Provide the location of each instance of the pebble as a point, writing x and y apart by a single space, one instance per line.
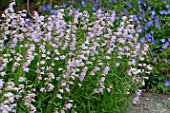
147 99
169 98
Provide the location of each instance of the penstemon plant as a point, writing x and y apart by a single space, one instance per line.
69 62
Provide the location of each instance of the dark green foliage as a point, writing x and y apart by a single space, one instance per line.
4 4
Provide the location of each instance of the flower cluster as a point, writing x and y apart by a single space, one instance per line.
49 56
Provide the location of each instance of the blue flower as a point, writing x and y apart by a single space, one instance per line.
27 19
163 40
155 59
145 20
44 7
150 22
167 82
96 4
90 0
153 41
157 24
72 8
148 36
149 7
48 6
78 8
129 5
94 8
152 32
151 53
82 3
140 8
140 16
52 11
144 4
139 30
167 6
115 1
125 11
161 49
165 60
64 5
164 46
153 12
168 39
139 1
162 12
142 40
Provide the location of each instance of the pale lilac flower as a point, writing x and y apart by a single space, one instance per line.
21 79
68 105
2 73
1 83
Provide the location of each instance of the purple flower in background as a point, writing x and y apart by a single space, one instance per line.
157 24
52 11
78 8
164 46
163 40
82 3
168 39
139 30
153 12
165 60
151 53
27 19
140 16
152 32
153 41
90 0
152 17
64 5
148 36
94 8
48 6
140 8
161 49
144 3
167 83
150 22
125 11
155 59
115 1
129 5
142 40
44 7
162 12
96 4
139 1
167 6
145 20
149 7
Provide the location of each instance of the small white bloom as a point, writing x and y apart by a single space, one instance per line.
59 96
42 62
149 67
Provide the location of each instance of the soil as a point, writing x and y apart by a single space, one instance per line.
152 103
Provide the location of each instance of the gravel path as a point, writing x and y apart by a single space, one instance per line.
152 103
